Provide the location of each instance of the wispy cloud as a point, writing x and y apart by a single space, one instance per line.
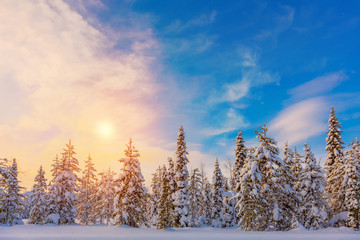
231 121
178 26
198 43
300 121
238 90
281 23
318 86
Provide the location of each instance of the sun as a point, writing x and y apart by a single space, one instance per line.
105 129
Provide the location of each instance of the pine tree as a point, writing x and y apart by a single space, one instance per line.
87 193
296 167
12 201
3 172
206 198
312 214
217 197
229 212
334 164
131 196
182 176
106 191
351 184
64 186
240 156
155 196
195 197
252 205
39 201
288 201
172 190
274 192
165 204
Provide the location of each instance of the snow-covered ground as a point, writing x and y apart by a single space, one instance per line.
104 232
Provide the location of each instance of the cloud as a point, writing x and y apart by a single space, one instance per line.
300 121
60 75
318 86
238 90
232 120
204 19
198 43
280 22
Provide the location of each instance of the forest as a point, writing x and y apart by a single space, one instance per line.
268 189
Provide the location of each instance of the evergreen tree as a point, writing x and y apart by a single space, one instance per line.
53 206
172 190
206 198
182 176
39 200
296 166
229 213
87 193
351 184
155 196
165 204
240 156
217 197
3 172
252 205
12 201
131 195
273 189
195 198
334 164
106 192
312 214
289 199
64 186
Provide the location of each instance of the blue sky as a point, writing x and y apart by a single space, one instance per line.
241 64
99 72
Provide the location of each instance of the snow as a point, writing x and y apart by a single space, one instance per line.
124 232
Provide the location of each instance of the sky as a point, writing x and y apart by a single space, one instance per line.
100 72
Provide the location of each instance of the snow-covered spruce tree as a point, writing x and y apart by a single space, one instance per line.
195 198
351 184
172 189
165 204
131 196
106 192
296 166
206 197
290 201
334 164
252 205
39 201
12 201
182 177
64 186
3 170
240 156
53 206
155 196
275 192
229 212
217 197
88 190
312 213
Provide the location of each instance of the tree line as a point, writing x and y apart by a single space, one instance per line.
265 190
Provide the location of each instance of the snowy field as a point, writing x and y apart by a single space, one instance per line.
104 232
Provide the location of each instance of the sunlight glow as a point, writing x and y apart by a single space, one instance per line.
105 129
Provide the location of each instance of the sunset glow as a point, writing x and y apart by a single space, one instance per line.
105 130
